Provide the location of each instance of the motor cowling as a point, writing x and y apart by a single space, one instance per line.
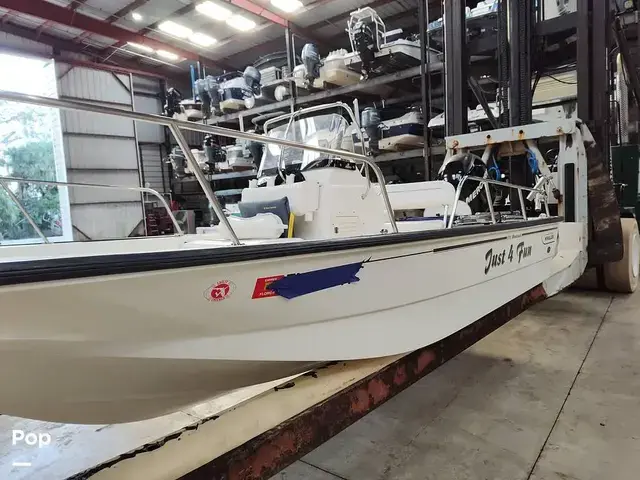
364 41
252 78
178 162
371 123
213 151
172 105
311 60
212 87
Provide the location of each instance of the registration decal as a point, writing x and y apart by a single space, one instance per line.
261 291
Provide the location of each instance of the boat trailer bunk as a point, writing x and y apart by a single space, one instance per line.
256 432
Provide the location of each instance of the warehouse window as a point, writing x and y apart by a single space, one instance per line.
31 148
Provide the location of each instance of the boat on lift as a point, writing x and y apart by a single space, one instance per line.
376 51
322 264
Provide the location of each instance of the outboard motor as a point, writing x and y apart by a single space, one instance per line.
200 88
371 123
172 106
212 87
311 61
252 78
208 93
178 162
213 151
364 41
256 149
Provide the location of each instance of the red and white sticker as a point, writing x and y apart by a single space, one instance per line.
260 290
220 291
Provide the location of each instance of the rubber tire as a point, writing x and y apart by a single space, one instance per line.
622 276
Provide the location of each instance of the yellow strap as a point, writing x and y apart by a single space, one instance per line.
290 229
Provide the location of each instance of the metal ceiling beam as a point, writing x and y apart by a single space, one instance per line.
222 64
69 46
268 15
49 11
126 10
76 4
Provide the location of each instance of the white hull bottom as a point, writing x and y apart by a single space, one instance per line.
126 363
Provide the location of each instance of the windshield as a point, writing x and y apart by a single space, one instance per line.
328 131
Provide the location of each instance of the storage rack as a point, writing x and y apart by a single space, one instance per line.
475 51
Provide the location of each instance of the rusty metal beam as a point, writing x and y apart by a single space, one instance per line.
126 10
49 11
606 243
272 451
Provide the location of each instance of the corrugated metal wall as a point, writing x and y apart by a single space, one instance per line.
151 137
100 149
103 149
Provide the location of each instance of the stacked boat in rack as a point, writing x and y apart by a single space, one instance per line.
317 256
390 129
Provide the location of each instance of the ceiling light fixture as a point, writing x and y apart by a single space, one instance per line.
167 55
202 39
175 29
213 10
137 17
139 46
241 23
288 6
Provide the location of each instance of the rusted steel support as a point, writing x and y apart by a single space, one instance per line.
605 244
272 451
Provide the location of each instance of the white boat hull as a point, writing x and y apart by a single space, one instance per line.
125 347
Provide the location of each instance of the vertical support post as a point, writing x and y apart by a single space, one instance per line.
291 64
138 153
503 63
593 69
425 83
521 32
456 63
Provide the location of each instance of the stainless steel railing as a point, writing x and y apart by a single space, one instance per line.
176 127
16 200
486 182
314 109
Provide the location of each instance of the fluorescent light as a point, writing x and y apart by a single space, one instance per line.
213 10
241 23
287 5
167 55
175 29
136 17
139 46
202 39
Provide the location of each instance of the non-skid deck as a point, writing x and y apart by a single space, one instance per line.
551 395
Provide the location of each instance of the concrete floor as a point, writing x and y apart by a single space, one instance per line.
553 395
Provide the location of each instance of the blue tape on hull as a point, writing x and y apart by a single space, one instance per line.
299 284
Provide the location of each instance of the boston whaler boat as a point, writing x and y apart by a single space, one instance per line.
323 264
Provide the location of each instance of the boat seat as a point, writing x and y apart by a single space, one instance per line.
263 226
304 197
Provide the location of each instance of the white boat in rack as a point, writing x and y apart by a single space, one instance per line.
322 265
